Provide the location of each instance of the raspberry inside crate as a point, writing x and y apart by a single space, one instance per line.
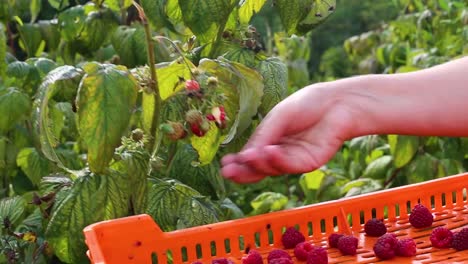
138 239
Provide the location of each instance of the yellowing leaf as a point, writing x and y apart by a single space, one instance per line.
249 8
207 146
170 76
106 99
313 180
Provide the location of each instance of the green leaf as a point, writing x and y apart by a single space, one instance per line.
69 119
207 146
14 106
403 148
268 202
92 198
292 12
59 4
378 168
206 17
34 165
33 222
171 203
232 211
249 8
31 39
130 45
118 5
300 16
105 102
243 88
242 55
444 4
449 167
22 184
50 33
319 12
275 76
312 180
35 9
422 168
135 164
42 65
97 22
205 179
12 209
199 211
375 154
55 81
55 183
452 148
72 22
19 69
162 13
361 186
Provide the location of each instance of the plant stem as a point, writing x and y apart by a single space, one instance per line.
154 78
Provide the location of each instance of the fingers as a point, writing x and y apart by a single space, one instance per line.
254 164
241 173
272 127
247 167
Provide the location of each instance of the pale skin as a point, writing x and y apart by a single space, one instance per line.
304 131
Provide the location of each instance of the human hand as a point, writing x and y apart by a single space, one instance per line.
298 135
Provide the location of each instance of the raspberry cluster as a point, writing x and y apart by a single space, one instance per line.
387 245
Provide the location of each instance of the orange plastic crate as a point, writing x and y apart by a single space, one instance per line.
135 239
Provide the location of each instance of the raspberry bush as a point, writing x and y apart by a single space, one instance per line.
115 108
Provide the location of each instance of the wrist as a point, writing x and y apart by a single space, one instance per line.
358 99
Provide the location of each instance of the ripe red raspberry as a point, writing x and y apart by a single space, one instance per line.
333 240
192 86
222 261
302 249
441 237
196 130
375 227
210 117
291 238
348 245
406 247
421 217
385 246
252 258
460 239
318 255
278 253
281 261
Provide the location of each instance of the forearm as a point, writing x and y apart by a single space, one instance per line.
431 102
